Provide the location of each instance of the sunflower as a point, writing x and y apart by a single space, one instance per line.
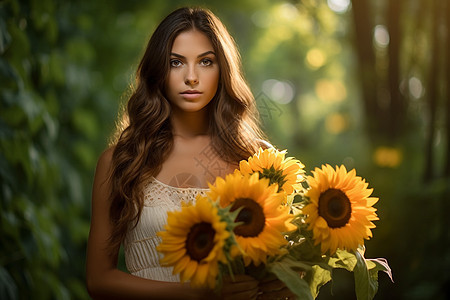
271 163
263 217
340 211
193 243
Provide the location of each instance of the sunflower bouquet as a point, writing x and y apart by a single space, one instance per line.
268 218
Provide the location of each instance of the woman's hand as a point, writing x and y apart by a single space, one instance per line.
243 287
273 288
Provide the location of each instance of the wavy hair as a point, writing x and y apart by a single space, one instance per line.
145 137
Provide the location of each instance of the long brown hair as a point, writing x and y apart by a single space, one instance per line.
145 139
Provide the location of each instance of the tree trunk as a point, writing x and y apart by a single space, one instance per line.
397 111
432 95
446 96
366 59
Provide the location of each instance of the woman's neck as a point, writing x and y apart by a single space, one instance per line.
189 124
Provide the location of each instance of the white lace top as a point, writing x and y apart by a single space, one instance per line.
140 243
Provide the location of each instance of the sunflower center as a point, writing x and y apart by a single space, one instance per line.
335 208
200 241
251 214
275 176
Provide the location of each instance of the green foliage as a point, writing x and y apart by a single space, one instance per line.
64 66
319 269
318 278
285 271
366 285
54 121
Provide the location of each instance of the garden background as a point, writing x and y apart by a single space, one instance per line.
361 83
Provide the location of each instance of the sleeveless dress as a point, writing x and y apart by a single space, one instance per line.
140 243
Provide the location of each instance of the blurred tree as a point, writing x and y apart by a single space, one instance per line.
447 85
367 63
386 106
65 65
59 97
433 84
405 95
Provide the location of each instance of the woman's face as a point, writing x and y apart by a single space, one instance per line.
194 72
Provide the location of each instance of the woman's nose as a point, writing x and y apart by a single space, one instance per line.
191 78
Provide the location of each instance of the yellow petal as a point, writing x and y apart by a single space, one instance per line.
181 264
321 223
188 271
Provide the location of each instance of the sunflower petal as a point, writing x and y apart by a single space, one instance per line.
357 224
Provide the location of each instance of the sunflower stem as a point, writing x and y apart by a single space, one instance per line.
230 270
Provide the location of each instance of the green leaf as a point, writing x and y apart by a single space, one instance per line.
319 277
5 37
303 248
8 289
366 286
343 259
290 277
295 264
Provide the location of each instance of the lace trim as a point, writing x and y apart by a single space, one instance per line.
177 188
141 256
157 193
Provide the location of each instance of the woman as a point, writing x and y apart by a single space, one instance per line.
191 117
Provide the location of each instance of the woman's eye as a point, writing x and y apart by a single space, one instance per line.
206 62
175 63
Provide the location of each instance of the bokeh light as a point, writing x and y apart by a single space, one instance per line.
339 6
381 36
315 58
336 123
261 19
279 91
330 90
388 157
415 87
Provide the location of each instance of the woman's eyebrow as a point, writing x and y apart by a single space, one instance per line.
200 55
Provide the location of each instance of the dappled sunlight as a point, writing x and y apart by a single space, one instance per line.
279 91
287 11
331 86
315 58
262 19
388 157
281 22
336 123
415 87
297 59
329 90
381 36
339 6
311 111
336 69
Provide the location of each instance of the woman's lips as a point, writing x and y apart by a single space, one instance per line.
190 94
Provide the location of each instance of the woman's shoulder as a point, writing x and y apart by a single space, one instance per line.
105 159
106 155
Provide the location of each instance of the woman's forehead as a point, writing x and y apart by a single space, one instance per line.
192 43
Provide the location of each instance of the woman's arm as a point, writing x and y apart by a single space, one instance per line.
273 288
105 281
103 278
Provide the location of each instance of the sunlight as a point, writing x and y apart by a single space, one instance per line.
415 87
339 6
330 90
315 58
336 123
388 157
381 36
279 91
